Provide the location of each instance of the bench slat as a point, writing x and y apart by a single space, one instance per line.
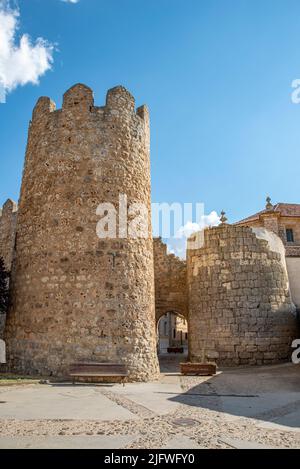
97 364
95 370
99 370
96 374
202 369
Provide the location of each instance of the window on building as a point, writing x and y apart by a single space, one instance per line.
289 235
174 333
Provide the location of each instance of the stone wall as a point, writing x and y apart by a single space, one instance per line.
170 282
77 297
279 225
8 217
240 310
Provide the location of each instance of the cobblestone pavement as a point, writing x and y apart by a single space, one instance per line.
200 401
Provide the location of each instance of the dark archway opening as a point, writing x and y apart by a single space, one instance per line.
172 341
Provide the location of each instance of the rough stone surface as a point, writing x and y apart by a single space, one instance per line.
278 219
77 297
2 351
170 282
240 310
8 218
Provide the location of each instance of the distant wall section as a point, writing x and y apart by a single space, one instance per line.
8 218
170 282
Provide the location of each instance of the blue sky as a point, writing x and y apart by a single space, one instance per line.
216 75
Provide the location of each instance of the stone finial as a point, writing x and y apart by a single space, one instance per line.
223 218
269 205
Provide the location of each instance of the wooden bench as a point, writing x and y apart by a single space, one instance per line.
199 369
92 372
175 350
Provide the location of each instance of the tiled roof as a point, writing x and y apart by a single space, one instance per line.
285 210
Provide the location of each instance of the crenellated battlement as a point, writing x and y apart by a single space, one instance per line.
8 208
118 98
143 113
79 100
43 106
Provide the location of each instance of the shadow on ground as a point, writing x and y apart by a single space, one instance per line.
270 394
170 362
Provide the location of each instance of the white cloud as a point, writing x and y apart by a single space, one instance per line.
177 244
70 1
22 61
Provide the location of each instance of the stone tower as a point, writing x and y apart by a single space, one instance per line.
77 297
240 309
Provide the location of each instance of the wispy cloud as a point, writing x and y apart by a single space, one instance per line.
177 244
70 1
21 61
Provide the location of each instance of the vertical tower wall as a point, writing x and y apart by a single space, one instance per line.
77 297
240 310
8 217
